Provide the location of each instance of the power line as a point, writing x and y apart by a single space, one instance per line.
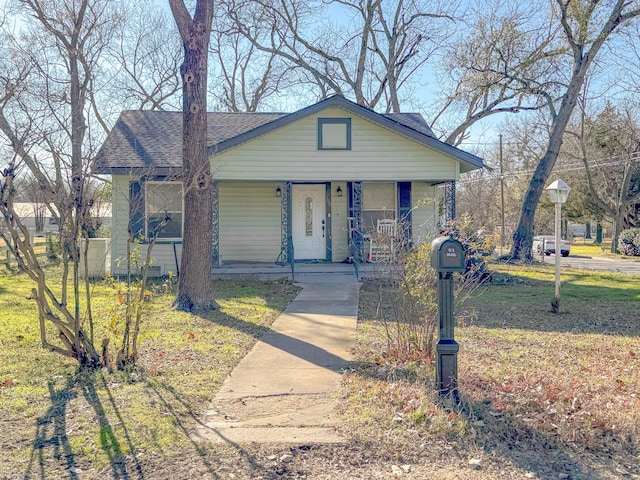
572 167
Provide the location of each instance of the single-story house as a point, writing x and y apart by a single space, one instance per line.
301 186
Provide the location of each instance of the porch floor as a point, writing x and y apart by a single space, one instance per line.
303 272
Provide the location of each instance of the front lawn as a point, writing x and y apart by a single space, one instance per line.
543 396
586 249
57 422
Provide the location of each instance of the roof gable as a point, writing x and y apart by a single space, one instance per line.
412 126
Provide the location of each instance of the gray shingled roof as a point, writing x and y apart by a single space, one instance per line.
141 139
414 121
144 140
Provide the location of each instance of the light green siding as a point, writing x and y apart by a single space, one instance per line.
424 216
339 223
250 217
120 209
249 228
292 153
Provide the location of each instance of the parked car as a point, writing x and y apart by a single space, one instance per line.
547 244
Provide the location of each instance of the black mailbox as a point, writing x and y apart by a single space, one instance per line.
447 255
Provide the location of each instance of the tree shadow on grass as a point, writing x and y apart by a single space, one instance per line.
243 326
51 433
501 435
52 454
52 428
108 439
162 391
173 402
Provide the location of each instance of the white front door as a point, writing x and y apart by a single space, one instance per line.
309 222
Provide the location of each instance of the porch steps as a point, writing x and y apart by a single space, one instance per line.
303 272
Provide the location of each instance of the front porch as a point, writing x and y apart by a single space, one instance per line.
304 272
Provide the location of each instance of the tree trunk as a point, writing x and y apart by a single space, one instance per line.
617 228
195 291
523 236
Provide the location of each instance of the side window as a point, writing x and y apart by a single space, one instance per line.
163 202
136 209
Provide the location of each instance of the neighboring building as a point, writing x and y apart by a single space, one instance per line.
38 218
316 180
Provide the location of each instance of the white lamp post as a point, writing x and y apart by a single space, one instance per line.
558 194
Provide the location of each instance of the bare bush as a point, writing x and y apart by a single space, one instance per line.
409 310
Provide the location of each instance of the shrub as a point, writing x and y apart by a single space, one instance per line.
409 306
629 242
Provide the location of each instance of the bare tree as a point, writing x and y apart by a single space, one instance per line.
144 61
46 117
370 54
609 149
493 195
55 107
586 26
195 292
246 78
73 339
625 62
504 60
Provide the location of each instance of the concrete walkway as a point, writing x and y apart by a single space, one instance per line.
284 389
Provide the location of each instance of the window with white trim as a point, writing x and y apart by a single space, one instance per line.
378 202
164 201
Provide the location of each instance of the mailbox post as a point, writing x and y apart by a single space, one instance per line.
447 258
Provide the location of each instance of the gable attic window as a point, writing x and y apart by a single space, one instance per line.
334 134
163 200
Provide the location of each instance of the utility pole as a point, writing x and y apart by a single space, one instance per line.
501 198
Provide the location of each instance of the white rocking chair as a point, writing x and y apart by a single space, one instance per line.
382 242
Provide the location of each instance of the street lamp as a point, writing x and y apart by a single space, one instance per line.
558 194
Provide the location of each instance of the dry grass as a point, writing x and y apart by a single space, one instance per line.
40 245
543 395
